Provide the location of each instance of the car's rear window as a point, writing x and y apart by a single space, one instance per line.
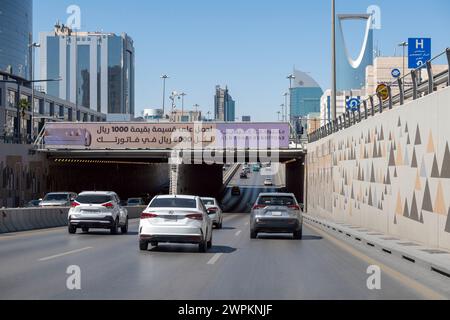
173 203
276 201
208 202
56 197
93 199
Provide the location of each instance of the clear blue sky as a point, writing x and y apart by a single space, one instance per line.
248 45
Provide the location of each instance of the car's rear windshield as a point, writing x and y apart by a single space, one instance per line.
276 201
208 202
173 203
56 197
134 200
93 199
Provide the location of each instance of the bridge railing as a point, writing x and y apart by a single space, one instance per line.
384 99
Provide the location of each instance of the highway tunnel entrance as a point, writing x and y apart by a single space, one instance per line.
127 178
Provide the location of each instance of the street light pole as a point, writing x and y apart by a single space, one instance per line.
404 44
164 77
333 61
285 112
290 77
31 46
182 104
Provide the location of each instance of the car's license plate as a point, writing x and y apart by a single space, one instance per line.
91 212
276 214
170 219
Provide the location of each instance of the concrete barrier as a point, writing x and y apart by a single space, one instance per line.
14 220
7 222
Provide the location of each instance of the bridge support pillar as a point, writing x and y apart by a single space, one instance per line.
295 175
200 180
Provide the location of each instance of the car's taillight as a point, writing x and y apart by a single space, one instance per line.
74 204
108 205
213 210
195 216
258 206
294 207
145 215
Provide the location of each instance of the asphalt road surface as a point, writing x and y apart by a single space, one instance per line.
33 265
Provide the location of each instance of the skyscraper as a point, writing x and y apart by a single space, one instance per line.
305 95
16 24
351 74
224 105
96 68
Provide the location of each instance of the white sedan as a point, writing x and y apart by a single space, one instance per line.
215 213
268 182
175 219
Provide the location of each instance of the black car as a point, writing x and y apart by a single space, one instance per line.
235 191
244 175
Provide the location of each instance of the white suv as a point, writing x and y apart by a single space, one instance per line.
98 210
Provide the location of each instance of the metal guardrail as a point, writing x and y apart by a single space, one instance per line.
375 104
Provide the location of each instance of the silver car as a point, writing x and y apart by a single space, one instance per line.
58 199
214 211
98 210
276 213
175 219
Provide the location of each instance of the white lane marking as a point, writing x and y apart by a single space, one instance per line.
215 258
238 233
64 254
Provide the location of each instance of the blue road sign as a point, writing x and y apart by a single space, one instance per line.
419 52
396 73
353 104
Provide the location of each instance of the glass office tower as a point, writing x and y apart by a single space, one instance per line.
16 24
97 69
305 95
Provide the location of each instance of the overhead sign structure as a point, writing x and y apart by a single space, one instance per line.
396 73
353 104
127 135
419 52
383 92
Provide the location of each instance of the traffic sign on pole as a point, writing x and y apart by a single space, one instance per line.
396 73
419 52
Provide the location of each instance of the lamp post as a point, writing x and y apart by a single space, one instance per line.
279 112
290 77
182 95
31 47
404 44
333 61
286 95
164 77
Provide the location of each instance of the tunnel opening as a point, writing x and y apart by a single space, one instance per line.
129 179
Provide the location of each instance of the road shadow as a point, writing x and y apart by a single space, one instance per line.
188 249
107 233
287 237
225 228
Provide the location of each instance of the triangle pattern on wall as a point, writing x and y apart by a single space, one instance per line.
445 172
414 159
447 226
439 204
430 146
427 205
435 170
418 140
414 212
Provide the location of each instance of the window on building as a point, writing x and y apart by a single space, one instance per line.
11 100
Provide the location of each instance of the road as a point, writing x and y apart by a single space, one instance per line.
33 265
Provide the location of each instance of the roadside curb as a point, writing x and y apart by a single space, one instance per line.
432 259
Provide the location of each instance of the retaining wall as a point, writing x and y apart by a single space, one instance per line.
390 173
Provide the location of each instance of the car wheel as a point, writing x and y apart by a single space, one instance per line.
143 245
298 235
115 227
85 230
72 229
253 234
209 243
203 246
124 229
